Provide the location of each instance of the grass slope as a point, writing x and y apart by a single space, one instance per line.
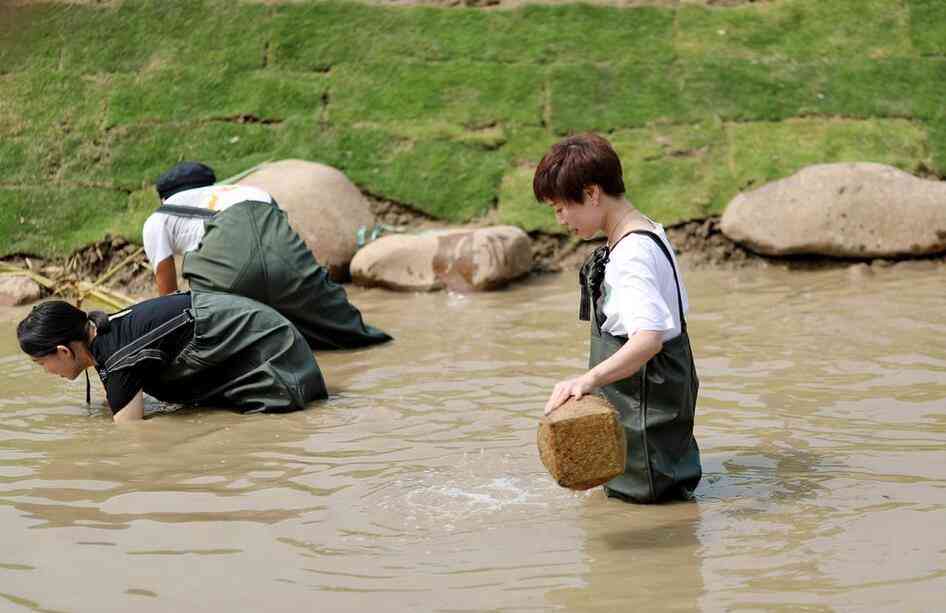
449 110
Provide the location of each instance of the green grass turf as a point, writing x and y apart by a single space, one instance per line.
320 35
796 30
677 173
175 93
474 94
927 25
54 220
937 139
449 110
763 152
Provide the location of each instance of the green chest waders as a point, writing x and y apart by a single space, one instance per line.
242 354
249 249
656 404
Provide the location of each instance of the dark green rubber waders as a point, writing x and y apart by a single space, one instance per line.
657 404
250 250
244 355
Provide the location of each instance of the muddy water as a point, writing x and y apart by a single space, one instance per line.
822 418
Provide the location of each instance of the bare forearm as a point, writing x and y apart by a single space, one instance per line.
133 411
165 276
627 360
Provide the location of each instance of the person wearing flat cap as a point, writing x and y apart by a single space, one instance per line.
236 240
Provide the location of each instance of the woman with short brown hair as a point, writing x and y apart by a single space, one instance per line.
634 297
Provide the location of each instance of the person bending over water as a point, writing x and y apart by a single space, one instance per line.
633 295
191 348
235 239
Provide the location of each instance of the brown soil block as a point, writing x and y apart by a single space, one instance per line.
582 443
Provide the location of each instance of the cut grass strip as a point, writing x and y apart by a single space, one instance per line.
182 94
744 90
15 163
41 102
577 32
317 36
517 204
937 137
603 97
898 88
488 137
449 179
50 157
764 152
674 173
91 39
469 94
446 179
795 30
140 205
139 153
58 37
928 26
671 173
51 221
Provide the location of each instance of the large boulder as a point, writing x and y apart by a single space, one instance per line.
324 207
18 289
461 259
842 210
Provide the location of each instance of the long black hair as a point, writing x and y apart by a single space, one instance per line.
55 323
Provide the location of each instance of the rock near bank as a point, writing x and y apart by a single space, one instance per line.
18 289
459 260
323 206
855 210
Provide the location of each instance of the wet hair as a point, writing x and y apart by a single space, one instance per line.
574 164
55 323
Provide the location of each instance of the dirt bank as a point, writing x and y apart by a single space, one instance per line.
699 244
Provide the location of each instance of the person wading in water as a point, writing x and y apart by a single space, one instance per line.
199 348
634 297
236 240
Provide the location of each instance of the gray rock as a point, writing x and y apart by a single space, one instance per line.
841 210
460 260
323 206
859 272
18 289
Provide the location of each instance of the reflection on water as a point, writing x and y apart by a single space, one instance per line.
417 486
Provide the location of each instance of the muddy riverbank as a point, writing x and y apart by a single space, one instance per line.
699 244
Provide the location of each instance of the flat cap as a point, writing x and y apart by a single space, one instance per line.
186 175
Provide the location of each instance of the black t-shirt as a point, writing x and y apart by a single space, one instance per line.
135 364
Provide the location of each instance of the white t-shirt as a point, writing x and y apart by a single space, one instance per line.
167 235
639 290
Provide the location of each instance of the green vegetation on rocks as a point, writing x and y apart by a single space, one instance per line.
449 110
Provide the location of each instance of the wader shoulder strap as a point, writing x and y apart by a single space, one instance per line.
127 355
663 247
591 277
186 211
589 280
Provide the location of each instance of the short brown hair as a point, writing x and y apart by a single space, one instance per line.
574 163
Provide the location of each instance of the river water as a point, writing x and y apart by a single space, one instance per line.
417 486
